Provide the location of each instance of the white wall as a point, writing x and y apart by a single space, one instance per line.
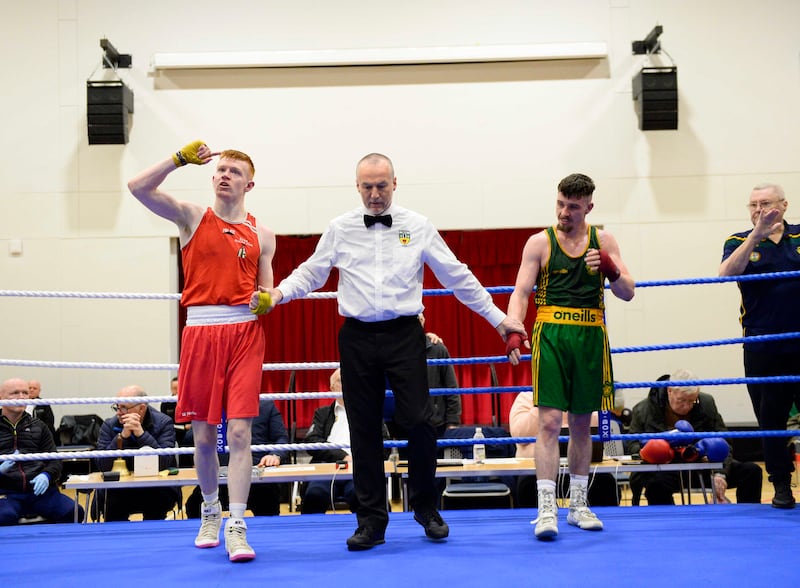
474 146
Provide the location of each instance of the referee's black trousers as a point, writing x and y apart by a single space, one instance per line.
370 355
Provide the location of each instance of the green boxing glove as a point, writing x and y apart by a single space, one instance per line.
188 154
264 303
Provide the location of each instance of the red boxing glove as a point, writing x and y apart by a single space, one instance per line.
514 341
657 451
608 267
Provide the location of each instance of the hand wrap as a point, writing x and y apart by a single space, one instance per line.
264 303
188 154
607 266
514 341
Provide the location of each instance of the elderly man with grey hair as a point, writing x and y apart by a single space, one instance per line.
659 412
769 307
135 425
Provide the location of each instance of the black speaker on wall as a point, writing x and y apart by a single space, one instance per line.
109 106
655 95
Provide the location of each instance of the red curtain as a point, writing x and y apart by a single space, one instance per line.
306 331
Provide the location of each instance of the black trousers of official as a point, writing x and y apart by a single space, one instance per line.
772 404
372 354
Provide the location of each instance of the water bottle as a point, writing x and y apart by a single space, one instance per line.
479 449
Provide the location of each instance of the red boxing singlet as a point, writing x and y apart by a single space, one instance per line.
220 262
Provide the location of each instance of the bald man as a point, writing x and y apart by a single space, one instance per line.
28 487
135 425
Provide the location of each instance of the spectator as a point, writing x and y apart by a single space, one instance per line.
168 408
264 498
523 421
134 426
445 409
28 487
330 426
659 412
43 412
769 307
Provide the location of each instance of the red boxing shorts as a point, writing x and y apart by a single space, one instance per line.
222 352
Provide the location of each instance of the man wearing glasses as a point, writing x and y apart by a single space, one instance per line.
769 307
660 412
135 425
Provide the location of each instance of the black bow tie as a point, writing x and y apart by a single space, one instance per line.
385 219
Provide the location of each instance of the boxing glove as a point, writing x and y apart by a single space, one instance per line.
681 426
713 448
688 454
657 451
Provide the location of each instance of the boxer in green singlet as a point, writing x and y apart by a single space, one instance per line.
571 362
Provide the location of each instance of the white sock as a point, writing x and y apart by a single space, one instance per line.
546 485
237 509
210 498
579 481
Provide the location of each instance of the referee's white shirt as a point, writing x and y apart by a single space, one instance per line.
381 268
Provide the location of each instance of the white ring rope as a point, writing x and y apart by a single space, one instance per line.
105 453
267 367
121 295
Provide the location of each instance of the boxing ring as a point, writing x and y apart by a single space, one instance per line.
735 544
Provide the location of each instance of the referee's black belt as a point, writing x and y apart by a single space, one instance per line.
380 325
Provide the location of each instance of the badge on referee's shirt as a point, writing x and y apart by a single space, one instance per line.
405 237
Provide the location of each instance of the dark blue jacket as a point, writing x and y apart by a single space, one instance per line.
158 432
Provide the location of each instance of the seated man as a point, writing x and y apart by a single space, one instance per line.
28 487
135 425
43 412
264 498
330 426
168 408
445 409
659 412
524 422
